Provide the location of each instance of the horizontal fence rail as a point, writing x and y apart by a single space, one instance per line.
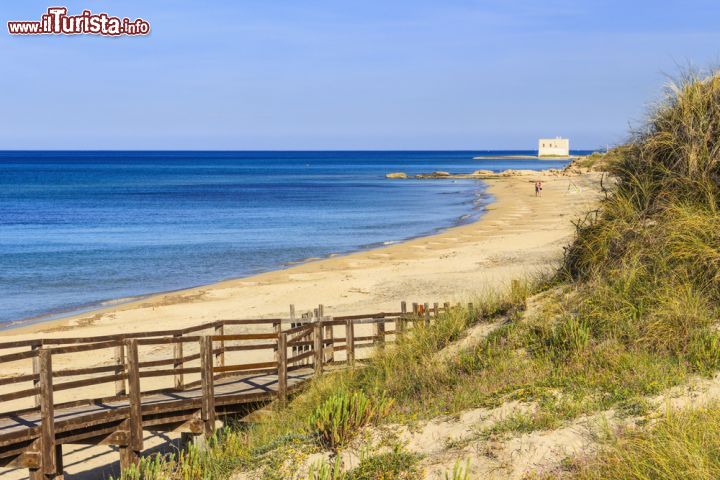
190 376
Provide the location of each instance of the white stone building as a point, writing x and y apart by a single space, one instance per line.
559 147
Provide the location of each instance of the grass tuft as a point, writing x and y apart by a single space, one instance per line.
682 445
340 418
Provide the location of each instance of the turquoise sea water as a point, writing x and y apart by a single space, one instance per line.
81 228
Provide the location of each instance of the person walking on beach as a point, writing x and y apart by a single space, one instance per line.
538 189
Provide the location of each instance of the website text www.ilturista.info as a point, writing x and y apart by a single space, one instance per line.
57 22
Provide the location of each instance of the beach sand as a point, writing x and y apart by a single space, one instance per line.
519 235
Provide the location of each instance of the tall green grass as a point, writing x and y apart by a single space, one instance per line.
682 445
648 269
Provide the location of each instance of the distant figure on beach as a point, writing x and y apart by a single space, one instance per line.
538 189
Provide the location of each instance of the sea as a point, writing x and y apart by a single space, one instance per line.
86 229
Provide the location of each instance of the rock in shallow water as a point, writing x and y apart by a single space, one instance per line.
396 175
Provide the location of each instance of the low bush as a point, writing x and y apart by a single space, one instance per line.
341 416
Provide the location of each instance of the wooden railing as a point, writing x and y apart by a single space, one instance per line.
170 363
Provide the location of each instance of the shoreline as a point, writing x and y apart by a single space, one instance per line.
481 202
515 236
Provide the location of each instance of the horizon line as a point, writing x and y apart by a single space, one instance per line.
292 150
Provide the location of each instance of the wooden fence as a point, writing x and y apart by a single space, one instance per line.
173 380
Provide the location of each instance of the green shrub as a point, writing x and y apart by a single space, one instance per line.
342 415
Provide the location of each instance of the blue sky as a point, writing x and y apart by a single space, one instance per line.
347 74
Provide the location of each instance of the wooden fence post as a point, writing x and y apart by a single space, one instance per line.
318 345
130 453
426 308
220 356
47 415
294 323
119 370
380 333
282 368
321 310
446 307
307 318
400 326
36 371
415 309
436 309
277 328
207 409
329 337
350 341
178 362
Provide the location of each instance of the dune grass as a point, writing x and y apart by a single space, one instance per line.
681 445
394 464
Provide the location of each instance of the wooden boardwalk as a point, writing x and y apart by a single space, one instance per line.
285 354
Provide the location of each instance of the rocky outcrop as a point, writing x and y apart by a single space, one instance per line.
569 171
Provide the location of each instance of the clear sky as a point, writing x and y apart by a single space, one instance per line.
348 74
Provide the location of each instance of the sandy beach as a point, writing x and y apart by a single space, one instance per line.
518 234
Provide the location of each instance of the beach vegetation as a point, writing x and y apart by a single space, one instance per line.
340 417
459 471
680 445
395 463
